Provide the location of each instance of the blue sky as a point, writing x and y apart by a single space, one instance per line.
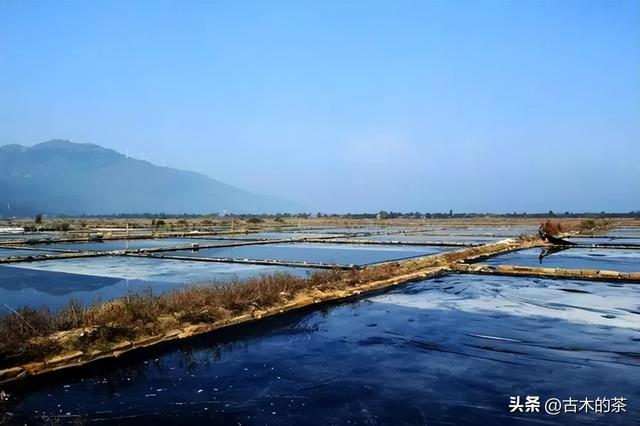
344 105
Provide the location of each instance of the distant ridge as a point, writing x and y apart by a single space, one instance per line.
63 177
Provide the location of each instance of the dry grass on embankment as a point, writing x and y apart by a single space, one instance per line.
37 339
36 334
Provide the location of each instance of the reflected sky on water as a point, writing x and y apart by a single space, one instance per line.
444 351
574 258
52 283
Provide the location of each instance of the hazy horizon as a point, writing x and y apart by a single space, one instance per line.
344 107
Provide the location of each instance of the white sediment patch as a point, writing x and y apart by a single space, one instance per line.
596 303
134 268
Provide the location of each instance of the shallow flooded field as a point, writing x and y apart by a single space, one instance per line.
449 350
624 233
284 235
605 240
574 258
444 351
487 231
52 283
613 236
316 253
348 230
425 238
111 245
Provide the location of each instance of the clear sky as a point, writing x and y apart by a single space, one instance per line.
344 105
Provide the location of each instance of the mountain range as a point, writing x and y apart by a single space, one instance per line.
62 177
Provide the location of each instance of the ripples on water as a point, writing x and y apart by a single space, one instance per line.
443 351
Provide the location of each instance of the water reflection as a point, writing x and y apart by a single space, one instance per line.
548 251
51 283
330 253
574 258
430 353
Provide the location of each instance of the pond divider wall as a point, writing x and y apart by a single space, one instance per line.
555 273
414 269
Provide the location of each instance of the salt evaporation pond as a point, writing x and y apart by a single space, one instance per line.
443 351
111 245
624 232
52 283
488 231
315 253
358 230
614 236
424 238
287 235
605 240
574 258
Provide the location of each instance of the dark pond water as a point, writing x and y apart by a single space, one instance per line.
609 259
445 351
325 253
52 283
